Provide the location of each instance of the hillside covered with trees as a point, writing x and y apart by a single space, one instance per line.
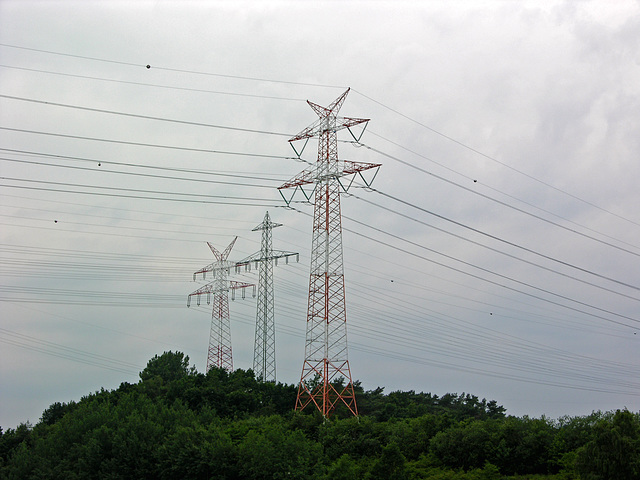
176 423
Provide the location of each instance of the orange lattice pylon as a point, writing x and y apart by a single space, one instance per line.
326 381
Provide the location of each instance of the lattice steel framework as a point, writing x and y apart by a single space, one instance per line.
219 353
264 355
326 380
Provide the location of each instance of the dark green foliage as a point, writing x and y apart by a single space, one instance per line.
55 412
270 450
12 439
411 405
391 465
345 468
467 445
525 446
614 450
179 424
514 445
197 452
357 437
169 367
414 434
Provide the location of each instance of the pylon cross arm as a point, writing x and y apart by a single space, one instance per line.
266 226
275 254
233 286
349 167
306 177
345 167
320 126
213 267
207 289
203 271
257 257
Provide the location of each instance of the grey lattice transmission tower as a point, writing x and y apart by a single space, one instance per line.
264 356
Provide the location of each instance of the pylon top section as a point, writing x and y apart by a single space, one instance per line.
221 257
220 269
221 260
265 256
328 167
328 119
266 224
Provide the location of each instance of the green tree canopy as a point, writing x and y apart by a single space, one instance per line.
614 451
179 424
169 366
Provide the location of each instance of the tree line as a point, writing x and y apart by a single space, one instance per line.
176 423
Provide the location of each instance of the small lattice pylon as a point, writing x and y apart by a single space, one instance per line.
219 352
326 381
264 355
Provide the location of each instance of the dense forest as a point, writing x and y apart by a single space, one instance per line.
177 423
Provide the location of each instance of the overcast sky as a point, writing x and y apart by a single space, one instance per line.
497 254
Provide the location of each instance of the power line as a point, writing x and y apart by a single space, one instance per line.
548 366
494 273
147 175
397 159
62 351
100 327
441 325
500 202
117 209
445 218
126 260
94 216
513 197
185 200
261 79
110 227
155 167
523 283
421 360
145 117
139 144
546 370
483 278
135 190
282 134
396 354
483 233
506 277
493 237
155 85
360 144
147 66
493 159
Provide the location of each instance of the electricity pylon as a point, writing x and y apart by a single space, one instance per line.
219 353
264 354
326 380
